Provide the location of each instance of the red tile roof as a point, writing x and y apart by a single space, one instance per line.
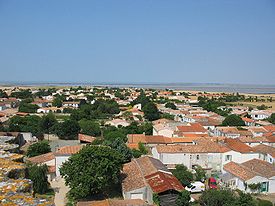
69 150
42 158
86 138
192 128
237 145
113 202
161 182
265 149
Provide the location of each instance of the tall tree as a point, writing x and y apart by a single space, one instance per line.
233 120
91 171
183 174
38 175
38 148
151 111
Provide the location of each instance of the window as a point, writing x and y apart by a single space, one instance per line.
198 157
228 157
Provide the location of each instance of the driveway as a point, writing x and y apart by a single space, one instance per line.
60 191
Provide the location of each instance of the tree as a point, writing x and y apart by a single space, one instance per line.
48 122
93 170
170 105
113 135
233 120
142 150
262 107
218 198
183 199
29 108
183 174
90 127
68 129
151 111
271 119
245 199
141 99
58 100
38 175
200 174
121 148
38 148
3 94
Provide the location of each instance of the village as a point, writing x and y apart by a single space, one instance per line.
95 145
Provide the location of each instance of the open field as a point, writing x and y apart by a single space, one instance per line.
255 104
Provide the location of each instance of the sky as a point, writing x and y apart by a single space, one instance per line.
138 41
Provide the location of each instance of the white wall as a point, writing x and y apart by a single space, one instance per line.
59 160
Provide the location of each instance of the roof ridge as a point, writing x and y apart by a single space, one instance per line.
143 176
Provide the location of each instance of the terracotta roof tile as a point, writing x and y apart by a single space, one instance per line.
69 150
193 127
86 138
42 158
237 145
265 149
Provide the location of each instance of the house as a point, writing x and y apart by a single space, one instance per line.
254 141
190 128
63 153
257 131
86 139
73 104
47 159
205 153
267 153
118 122
41 103
239 152
46 110
145 176
248 121
255 171
2 106
229 132
260 114
166 129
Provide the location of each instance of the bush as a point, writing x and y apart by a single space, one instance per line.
264 203
38 148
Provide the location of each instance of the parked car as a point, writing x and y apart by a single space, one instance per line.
212 183
195 187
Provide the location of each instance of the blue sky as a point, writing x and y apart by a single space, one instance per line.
137 41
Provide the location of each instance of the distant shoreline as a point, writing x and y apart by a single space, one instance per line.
200 87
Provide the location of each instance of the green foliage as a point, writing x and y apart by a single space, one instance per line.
121 148
113 135
48 122
218 198
58 100
151 111
26 124
200 174
264 203
99 110
29 108
245 199
168 116
45 92
183 199
271 119
38 148
141 99
254 187
3 94
142 150
156 199
262 107
90 127
38 175
92 171
233 120
170 105
22 94
68 129
212 105
183 175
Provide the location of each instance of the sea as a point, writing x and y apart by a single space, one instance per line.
206 87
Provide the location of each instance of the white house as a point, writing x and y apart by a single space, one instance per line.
260 114
267 153
255 171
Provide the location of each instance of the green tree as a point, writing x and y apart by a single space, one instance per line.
183 175
200 174
90 127
29 108
151 111
218 198
183 199
170 105
121 148
48 122
233 120
68 129
38 175
38 148
245 199
94 170
271 119
3 94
